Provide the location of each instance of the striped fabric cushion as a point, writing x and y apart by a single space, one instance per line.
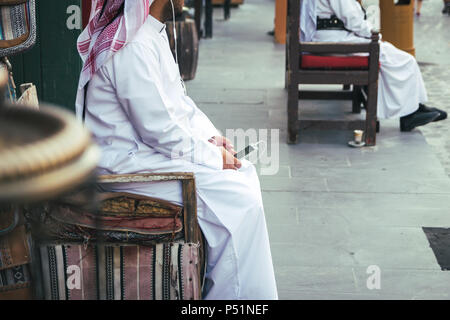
17 26
14 278
160 272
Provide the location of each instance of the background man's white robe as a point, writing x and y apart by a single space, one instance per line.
401 86
143 121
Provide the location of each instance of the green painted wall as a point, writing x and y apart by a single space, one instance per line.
53 65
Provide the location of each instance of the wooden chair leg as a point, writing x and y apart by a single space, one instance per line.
371 114
286 75
208 19
356 98
293 114
198 17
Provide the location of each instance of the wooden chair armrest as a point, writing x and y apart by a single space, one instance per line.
145 177
341 47
334 47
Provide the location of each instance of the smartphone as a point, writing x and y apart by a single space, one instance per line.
247 150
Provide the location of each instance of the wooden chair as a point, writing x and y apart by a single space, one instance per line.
313 63
192 233
53 230
198 9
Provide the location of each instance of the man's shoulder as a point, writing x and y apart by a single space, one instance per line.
146 36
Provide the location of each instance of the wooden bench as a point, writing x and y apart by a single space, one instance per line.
168 259
314 63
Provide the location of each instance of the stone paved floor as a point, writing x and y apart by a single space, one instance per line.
332 211
432 40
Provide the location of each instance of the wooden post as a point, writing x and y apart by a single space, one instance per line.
372 92
280 21
226 9
293 12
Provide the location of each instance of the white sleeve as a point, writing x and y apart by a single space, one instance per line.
350 12
138 83
200 120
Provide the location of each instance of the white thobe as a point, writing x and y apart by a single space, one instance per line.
138 112
401 87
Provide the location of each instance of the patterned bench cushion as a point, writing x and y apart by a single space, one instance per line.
17 26
161 272
15 280
121 218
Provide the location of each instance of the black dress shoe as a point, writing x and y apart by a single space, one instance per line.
442 113
416 119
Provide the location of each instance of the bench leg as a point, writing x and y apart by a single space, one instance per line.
208 19
356 98
226 9
371 114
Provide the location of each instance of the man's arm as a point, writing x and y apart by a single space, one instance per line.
139 88
349 11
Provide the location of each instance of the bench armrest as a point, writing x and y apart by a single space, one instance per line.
334 47
145 177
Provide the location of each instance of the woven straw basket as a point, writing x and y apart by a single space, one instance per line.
17 26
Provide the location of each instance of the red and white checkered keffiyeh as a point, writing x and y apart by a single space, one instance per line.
111 25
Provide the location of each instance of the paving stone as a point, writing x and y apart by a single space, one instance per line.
332 210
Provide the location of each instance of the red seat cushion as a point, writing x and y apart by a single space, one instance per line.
334 62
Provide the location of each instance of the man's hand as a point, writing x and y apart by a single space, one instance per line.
229 161
223 142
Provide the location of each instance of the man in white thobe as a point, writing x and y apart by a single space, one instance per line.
401 90
137 109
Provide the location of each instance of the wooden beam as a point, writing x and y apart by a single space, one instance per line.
325 95
86 9
145 177
332 124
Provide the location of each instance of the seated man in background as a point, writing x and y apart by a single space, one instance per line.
133 100
401 91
